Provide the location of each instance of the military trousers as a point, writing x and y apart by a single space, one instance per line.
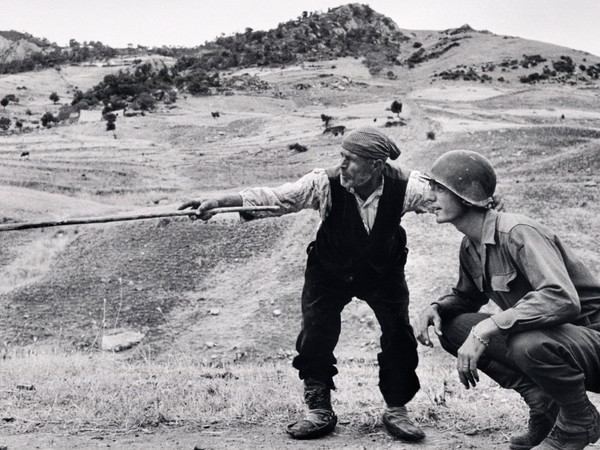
563 361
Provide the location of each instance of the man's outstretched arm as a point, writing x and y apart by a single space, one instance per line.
204 206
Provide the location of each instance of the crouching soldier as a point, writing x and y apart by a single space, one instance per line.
545 343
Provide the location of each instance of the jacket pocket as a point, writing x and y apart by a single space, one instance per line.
500 282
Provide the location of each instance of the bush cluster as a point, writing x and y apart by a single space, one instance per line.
463 73
139 90
311 37
54 56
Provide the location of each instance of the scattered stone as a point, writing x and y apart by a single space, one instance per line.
121 341
214 312
298 147
277 312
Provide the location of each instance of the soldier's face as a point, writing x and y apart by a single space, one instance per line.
446 205
356 171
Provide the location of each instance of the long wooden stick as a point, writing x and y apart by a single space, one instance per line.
117 218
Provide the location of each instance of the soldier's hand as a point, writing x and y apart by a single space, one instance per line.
430 316
466 361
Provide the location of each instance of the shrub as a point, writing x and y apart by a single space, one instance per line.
144 102
4 123
110 117
565 64
533 78
47 119
65 112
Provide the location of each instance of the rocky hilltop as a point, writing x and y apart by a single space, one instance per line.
16 48
352 30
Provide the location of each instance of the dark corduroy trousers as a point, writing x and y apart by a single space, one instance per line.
324 296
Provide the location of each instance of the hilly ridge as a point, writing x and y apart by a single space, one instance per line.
352 30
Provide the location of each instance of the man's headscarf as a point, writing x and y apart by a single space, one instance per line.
371 143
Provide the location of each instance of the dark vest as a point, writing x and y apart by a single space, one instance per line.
344 247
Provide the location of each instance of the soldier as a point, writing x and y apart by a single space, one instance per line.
359 251
545 342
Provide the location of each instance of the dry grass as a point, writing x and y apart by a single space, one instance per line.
33 263
44 388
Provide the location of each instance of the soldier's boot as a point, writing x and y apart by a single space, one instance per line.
542 409
320 419
577 426
539 425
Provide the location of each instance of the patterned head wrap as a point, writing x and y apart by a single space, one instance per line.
370 143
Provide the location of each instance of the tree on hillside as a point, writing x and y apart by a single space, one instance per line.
54 97
111 125
396 107
4 102
47 119
4 123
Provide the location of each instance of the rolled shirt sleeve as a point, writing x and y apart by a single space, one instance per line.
312 191
415 199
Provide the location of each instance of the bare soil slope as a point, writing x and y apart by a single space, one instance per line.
228 291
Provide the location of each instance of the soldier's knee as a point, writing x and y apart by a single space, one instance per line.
528 348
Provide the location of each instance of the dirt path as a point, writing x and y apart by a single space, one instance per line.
247 437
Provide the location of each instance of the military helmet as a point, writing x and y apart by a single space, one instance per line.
467 174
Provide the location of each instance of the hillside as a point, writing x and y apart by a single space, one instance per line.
352 30
151 161
227 293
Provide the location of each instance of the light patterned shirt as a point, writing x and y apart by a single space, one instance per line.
313 191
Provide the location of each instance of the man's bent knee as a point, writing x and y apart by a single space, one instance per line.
456 330
528 348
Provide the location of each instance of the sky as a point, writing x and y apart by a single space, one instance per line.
188 23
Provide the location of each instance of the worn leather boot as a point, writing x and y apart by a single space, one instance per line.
397 422
321 419
538 428
559 439
542 409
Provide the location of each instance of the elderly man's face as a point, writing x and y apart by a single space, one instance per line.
356 171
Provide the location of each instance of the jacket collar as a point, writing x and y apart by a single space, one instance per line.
488 230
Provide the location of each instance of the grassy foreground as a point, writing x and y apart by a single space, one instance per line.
78 392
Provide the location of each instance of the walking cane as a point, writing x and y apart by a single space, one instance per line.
121 218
